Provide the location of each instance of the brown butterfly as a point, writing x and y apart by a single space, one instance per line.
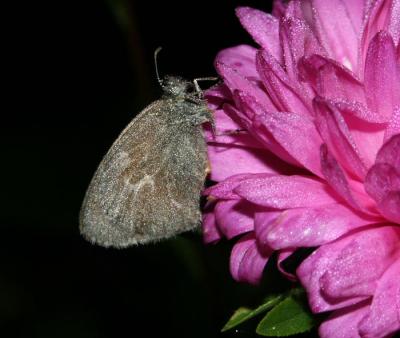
148 185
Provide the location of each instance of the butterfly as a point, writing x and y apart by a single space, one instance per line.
148 185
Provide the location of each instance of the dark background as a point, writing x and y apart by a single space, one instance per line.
78 72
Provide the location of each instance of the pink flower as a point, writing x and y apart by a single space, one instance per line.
307 154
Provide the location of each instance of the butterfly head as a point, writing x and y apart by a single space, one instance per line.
177 87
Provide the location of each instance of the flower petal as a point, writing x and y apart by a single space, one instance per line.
330 79
335 30
279 8
297 41
375 324
242 58
382 76
228 160
295 133
283 92
252 108
236 81
344 322
234 217
394 21
381 15
390 206
355 10
224 189
360 111
217 95
282 192
211 233
263 27
263 220
227 131
398 52
283 254
334 131
367 132
390 152
382 179
336 178
313 268
247 263
309 227
393 127
358 267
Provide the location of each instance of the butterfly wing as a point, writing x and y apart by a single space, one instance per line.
148 185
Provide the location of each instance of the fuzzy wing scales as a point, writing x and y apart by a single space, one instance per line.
148 185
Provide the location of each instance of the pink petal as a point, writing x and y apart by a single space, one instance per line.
366 131
382 179
295 9
281 89
224 189
394 21
272 145
234 217
279 8
390 152
359 111
241 116
382 15
331 79
217 95
383 318
211 233
263 220
249 139
382 76
314 267
252 108
283 254
242 58
247 263
355 10
228 160
393 127
335 30
236 81
336 178
227 132
390 206
338 138
358 267
263 27
282 192
297 41
295 133
309 227
344 322
398 52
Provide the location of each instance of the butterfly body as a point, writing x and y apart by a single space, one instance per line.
148 185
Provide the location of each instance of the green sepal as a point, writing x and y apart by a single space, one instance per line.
289 317
243 314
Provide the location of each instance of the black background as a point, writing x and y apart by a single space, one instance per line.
77 73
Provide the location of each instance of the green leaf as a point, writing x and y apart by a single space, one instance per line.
289 317
243 314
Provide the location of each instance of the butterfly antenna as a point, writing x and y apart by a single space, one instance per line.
156 66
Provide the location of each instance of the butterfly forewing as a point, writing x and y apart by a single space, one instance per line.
148 185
